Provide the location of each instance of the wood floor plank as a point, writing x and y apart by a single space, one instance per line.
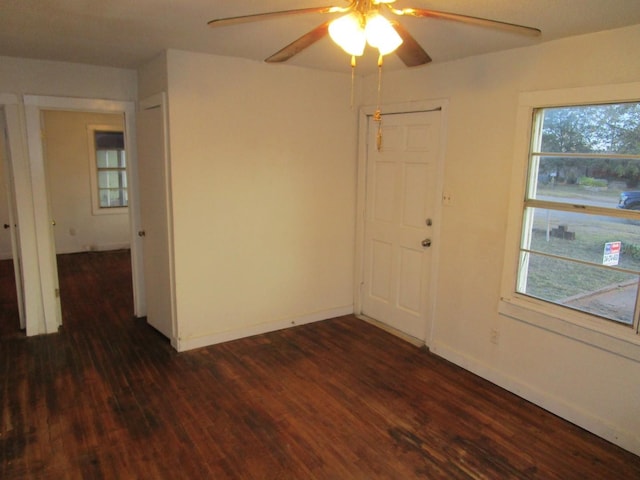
108 398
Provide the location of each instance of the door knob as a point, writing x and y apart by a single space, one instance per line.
6 225
142 233
426 242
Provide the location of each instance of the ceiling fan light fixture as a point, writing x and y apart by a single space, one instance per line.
381 34
348 33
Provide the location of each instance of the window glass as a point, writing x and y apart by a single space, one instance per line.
110 159
586 262
582 180
580 242
611 128
609 294
109 140
111 169
112 179
583 237
114 198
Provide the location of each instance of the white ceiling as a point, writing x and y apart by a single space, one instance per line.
127 33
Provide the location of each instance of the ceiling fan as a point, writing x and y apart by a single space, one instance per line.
363 23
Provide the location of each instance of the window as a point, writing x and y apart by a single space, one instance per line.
111 169
578 249
108 170
578 219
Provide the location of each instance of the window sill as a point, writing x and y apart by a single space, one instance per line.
110 211
616 339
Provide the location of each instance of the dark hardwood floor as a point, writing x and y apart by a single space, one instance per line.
107 398
9 320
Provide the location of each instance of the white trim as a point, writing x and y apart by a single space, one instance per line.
82 104
183 344
33 307
43 222
614 338
399 108
13 158
575 325
417 342
573 413
137 270
157 100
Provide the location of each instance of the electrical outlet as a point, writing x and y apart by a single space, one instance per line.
447 198
494 336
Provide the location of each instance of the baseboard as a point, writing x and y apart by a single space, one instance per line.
612 433
393 331
95 248
183 344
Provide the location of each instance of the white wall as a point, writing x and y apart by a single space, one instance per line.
596 389
263 163
152 77
67 160
43 77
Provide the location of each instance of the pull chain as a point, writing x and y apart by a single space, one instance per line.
377 116
353 80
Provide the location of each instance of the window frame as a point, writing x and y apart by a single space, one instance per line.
96 209
581 326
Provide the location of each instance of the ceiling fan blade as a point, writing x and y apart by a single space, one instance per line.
223 22
410 51
483 22
300 44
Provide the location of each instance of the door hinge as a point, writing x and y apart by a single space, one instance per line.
57 292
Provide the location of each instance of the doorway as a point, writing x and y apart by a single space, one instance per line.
79 189
44 221
85 165
399 191
11 308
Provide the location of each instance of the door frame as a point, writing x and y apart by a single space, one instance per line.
9 119
33 106
30 270
363 122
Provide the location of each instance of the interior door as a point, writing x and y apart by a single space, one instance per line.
399 212
154 214
10 223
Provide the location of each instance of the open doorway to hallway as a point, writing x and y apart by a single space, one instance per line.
87 185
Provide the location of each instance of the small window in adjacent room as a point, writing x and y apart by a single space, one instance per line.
109 170
580 234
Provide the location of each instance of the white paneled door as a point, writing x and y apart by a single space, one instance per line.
400 206
154 214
